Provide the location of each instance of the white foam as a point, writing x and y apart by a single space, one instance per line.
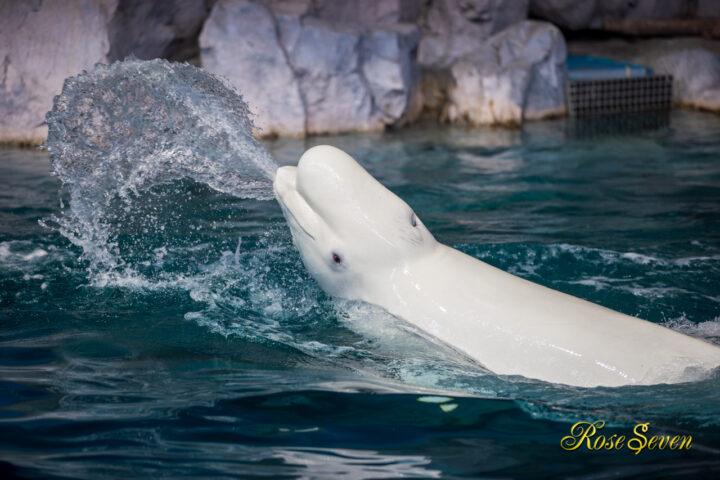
641 259
708 330
4 250
598 282
654 292
611 257
12 253
685 262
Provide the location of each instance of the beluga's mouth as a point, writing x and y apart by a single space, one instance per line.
285 187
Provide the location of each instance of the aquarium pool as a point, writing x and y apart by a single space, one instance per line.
203 349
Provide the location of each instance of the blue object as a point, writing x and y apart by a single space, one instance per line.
586 67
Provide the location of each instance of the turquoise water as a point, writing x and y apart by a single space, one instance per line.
179 335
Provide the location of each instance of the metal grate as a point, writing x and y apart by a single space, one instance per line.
622 95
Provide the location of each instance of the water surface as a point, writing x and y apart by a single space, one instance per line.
192 343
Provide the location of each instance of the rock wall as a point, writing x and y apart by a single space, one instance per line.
370 13
165 29
42 42
327 61
518 74
303 66
696 75
327 66
241 42
301 74
590 14
392 73
452 29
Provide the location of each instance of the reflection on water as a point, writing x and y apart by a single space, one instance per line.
618 124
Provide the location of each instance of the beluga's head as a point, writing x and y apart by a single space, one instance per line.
347 226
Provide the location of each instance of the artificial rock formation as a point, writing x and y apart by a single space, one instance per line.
391 73
370 13
329 66
696 75
166 29
240 41
590 14
452 29
579 14
519 74
303 75
303 66
41 44
483 64
327 62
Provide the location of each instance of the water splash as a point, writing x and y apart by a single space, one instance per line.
124 126
155 158
120 130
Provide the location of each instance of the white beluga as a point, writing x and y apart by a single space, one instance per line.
362 242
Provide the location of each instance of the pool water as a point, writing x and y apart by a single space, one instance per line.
189 341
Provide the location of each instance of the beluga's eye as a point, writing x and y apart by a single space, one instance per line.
336 258
413 220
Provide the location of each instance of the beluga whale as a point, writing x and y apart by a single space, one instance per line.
360 241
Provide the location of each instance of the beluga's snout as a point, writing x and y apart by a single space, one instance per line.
285 181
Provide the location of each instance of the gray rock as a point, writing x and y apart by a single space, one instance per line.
167 29
519 74
589 14
570 14
300 74
582 14
695 71
708 9
240 42
453 29
41 44
391 72
370 13
291 8
660 9
326 60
